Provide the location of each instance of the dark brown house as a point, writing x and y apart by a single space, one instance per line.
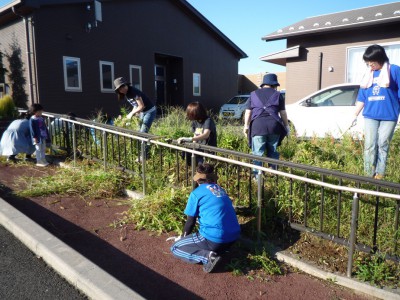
76 49
328 49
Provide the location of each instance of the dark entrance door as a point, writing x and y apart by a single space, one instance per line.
160 88
168 80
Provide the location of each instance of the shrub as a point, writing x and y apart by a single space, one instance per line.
7 107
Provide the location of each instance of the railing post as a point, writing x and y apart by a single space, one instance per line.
353 233
105 149
193 160
396 224
259 204
74 143
142 158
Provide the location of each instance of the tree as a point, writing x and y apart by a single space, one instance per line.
3 70
16 75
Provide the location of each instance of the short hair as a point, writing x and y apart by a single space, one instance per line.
376 53
34 108
196 111
208 170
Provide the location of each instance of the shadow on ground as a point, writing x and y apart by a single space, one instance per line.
136 276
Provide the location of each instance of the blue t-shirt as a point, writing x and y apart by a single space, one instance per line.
382 103
217 217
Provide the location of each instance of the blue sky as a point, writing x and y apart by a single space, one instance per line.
245 22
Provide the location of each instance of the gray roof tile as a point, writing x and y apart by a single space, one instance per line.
366 16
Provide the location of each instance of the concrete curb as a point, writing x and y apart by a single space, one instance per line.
350 283
75 268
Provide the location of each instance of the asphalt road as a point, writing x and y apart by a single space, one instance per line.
25 276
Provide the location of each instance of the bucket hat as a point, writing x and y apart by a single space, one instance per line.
270 79
120 81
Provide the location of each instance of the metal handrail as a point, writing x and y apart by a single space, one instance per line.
208 151
153 139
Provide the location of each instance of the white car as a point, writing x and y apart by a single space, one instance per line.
236 106
327 112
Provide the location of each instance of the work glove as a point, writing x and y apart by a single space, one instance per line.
185 140
174 238
287 129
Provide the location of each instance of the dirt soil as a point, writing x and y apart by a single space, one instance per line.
141 259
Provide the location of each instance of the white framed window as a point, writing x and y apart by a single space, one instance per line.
356 67
135 76
72 74
196 84
106 76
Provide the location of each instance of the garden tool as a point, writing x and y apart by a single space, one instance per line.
354 123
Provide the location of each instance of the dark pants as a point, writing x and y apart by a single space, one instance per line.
195 248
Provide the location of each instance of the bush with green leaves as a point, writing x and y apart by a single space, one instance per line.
7 108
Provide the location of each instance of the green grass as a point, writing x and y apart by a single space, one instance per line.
88 181
376 270
255 264
162 211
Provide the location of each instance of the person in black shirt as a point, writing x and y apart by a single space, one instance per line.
142 105
203 127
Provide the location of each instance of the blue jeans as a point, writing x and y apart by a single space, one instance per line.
378 135
147 118
260 143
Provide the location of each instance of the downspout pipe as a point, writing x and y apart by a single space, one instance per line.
321 56
28 53
34 62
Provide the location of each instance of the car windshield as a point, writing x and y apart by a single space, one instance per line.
238 100
343 96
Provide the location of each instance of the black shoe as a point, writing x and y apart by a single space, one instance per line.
213 260
29 158
12 158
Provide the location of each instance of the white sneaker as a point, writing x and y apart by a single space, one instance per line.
42 164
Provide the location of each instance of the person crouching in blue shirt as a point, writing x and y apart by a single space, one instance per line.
218 224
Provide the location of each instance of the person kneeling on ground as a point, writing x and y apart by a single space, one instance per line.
218 224
17 139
